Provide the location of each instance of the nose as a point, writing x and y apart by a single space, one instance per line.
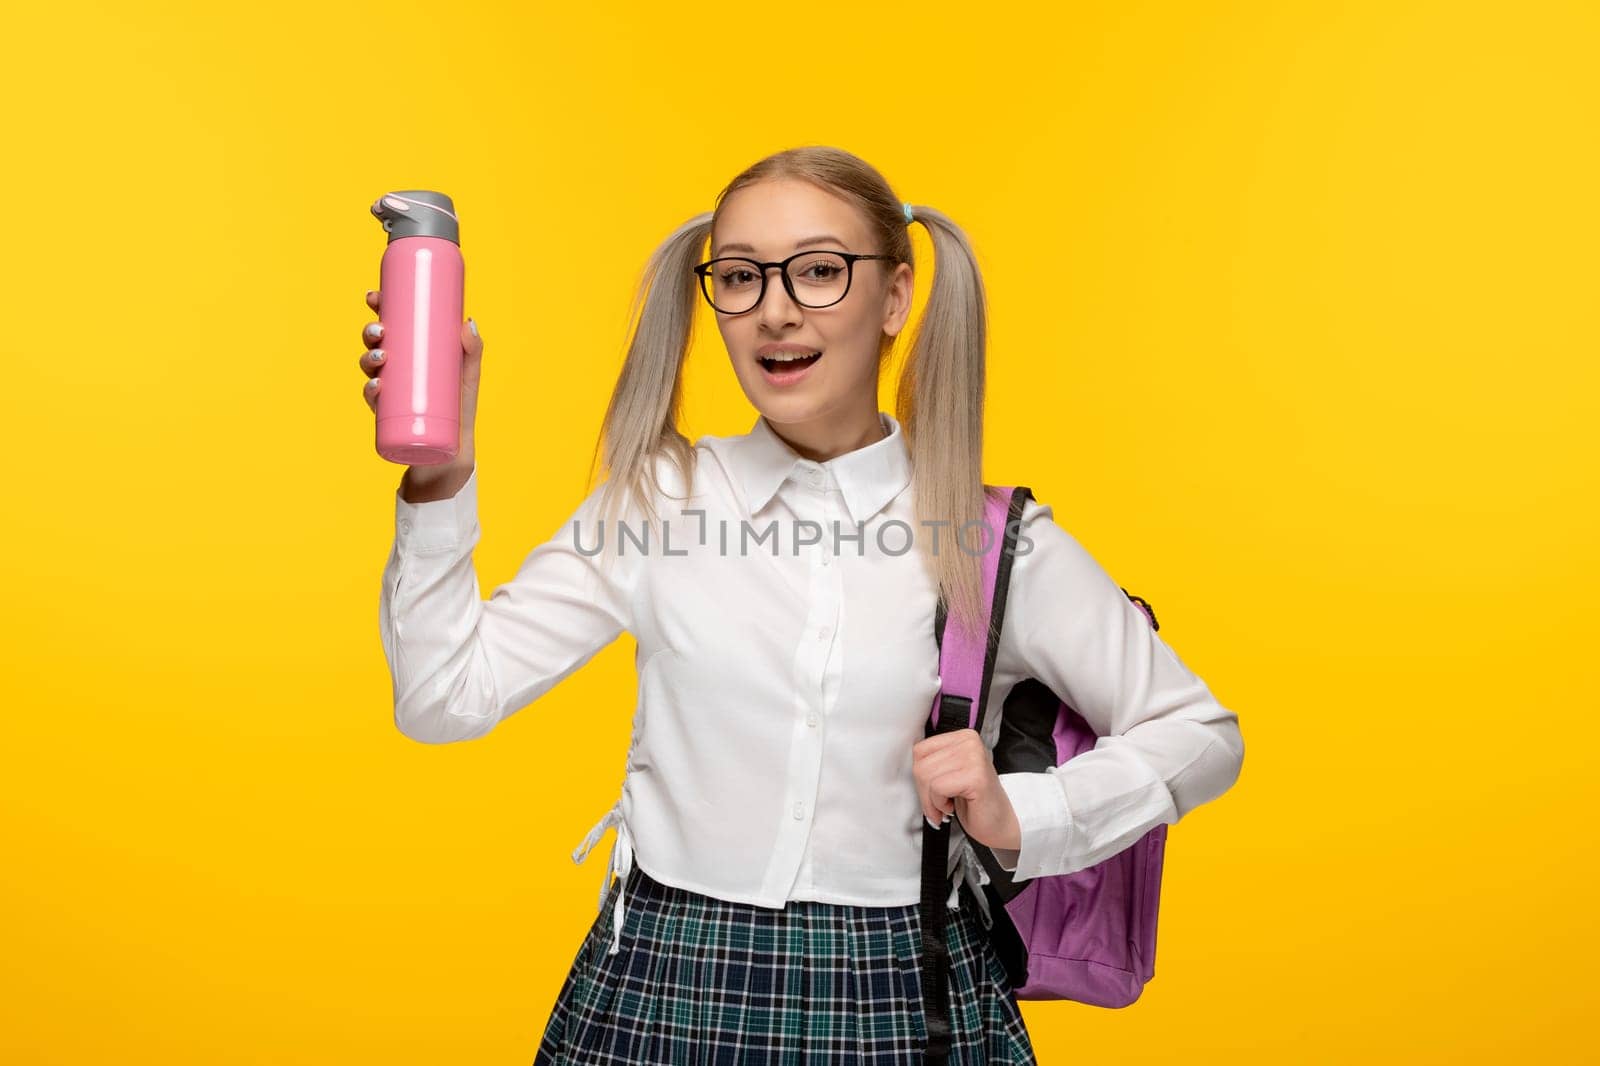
777 309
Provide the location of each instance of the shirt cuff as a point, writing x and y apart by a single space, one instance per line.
437 525
1046 820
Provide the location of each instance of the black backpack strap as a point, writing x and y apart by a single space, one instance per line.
956 711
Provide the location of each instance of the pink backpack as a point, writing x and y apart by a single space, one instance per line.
1089 935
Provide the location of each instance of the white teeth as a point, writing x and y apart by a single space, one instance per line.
789 357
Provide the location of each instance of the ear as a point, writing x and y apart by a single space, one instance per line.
897 308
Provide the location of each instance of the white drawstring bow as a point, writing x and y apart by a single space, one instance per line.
970 871
620 866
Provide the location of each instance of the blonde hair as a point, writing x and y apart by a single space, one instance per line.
939 397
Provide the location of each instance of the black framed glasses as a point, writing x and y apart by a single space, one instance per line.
813 278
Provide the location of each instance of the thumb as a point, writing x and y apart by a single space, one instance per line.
471 341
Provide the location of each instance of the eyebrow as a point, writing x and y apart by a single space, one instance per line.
822 239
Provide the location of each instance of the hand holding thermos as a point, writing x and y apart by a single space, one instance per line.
422 359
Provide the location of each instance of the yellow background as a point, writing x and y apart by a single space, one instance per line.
1292 321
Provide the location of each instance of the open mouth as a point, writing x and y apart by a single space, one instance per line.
787 365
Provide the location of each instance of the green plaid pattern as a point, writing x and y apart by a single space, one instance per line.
701 981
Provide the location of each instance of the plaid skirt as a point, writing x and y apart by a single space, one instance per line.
701 980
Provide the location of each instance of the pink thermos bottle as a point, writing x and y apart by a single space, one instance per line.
419 405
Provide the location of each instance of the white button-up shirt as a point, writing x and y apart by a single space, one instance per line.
787 665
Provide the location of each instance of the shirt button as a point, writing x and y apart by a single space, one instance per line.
822 634
799 809
811 719
405 525
826 558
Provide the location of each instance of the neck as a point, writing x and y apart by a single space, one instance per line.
824 439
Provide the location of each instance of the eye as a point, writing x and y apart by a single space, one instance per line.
829 271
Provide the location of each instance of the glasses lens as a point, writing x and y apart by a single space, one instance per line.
819 278
733 285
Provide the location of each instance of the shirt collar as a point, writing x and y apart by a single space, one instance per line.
868 477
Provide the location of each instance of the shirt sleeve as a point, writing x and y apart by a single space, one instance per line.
1164 744
459 663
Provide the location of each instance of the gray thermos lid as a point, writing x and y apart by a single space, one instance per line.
417 213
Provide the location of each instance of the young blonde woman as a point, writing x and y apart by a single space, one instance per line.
781 585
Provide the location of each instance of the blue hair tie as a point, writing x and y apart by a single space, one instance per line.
907 206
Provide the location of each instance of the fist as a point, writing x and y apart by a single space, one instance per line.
955 772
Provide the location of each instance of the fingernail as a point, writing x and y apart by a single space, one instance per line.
375 330
370 292
372 384
377 355
473 326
